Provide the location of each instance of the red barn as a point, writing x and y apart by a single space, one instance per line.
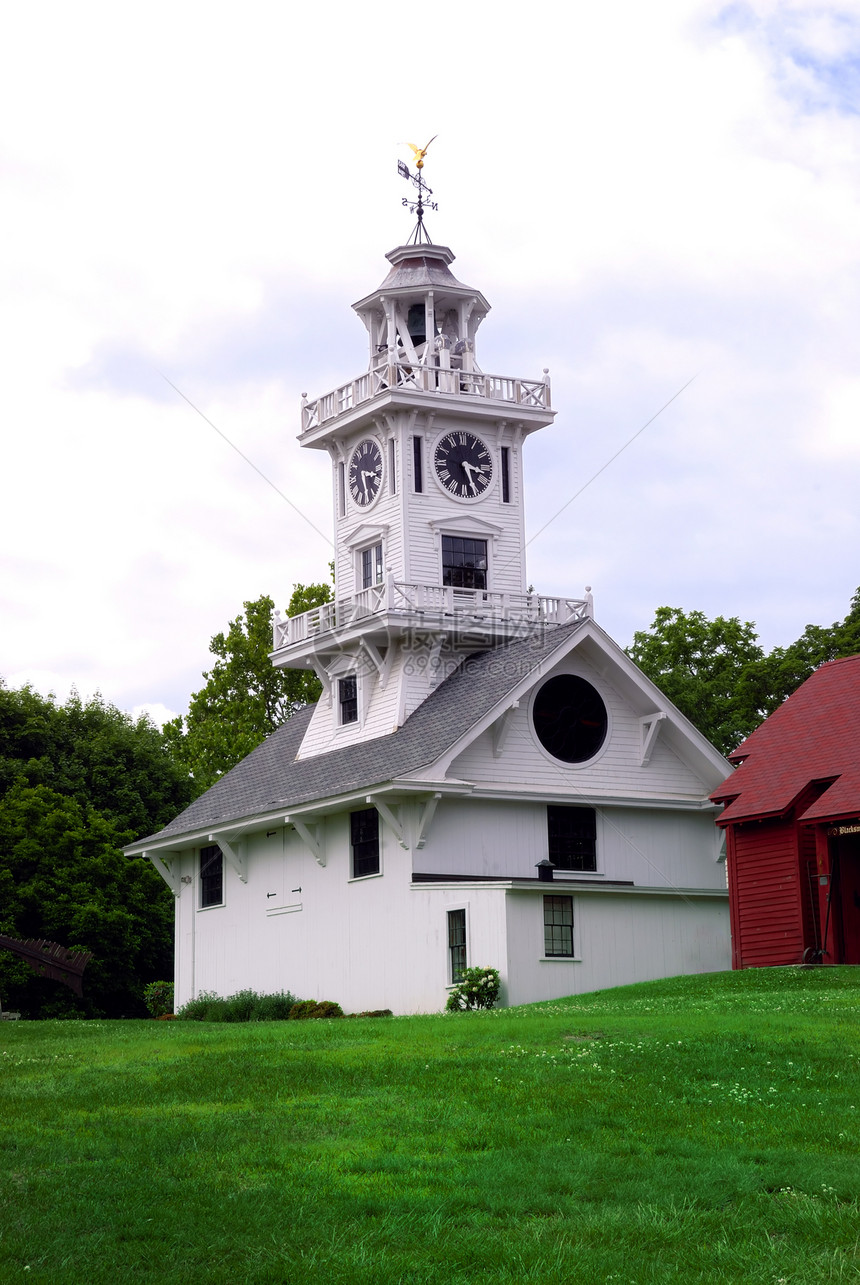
792 822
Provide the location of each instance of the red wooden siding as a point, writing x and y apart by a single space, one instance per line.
808 886
766 896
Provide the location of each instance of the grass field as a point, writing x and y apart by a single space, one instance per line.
699 1129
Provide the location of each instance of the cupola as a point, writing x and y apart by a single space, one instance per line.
421 313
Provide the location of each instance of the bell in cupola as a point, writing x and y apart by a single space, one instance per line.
416 324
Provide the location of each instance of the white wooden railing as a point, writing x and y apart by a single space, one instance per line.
436 601
427 379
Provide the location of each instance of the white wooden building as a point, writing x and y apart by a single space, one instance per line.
470 732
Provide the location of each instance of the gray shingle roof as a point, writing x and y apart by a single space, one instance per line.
270 777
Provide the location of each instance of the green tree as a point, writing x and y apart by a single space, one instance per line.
77 782
713 670
245 698
790 666
717 674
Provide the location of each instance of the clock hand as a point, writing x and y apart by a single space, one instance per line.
471 468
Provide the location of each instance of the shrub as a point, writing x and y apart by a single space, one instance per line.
158 998
309 1008
374 1012
477 988
274 1008
244 1006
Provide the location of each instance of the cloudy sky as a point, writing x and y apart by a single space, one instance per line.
197 193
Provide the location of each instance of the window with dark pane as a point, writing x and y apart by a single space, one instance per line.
572 835
392 476
464 562
364 836
418 464
347 694
570 718
211 876
456 945
371 566
506 475
558 926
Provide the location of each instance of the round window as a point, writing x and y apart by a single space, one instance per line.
569 718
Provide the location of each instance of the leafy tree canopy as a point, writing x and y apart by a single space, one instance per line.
77 782
710 669
245 698
719 676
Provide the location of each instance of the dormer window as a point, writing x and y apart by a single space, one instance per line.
347 695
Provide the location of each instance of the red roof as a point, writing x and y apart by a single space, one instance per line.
813 737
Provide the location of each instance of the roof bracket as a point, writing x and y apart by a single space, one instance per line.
390 820
322 675
310 837
168 871
433 659
235 856
720 846
425 816
501 728
382 665
649 728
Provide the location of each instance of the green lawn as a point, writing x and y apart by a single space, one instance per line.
700 1129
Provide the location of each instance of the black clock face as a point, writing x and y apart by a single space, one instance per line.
365 473
463 465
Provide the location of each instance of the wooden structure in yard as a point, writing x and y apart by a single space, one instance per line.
792 822
50 960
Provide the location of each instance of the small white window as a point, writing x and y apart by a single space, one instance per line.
211 876
457 962
558 927
371 566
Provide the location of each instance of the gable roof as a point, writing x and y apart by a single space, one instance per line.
270 778
814 737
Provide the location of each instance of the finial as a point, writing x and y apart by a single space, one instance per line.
419 235
420 152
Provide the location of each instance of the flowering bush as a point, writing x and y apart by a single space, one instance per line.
158 998
477 988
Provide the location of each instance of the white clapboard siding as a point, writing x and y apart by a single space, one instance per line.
648 846
616 768
618 940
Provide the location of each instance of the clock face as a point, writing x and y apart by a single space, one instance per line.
463 465
365 473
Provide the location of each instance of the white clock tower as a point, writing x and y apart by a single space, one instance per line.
426 455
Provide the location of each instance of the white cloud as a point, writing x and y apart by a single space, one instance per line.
643 192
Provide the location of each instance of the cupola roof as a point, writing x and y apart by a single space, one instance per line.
416 268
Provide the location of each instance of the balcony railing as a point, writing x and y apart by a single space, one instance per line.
534 393
519 611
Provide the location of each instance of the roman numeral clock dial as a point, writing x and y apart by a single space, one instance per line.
463 465
365 473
